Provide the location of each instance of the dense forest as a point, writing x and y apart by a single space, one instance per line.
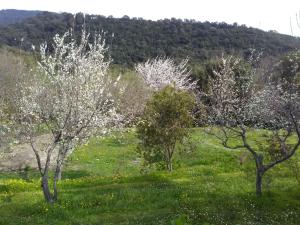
10 16
134 40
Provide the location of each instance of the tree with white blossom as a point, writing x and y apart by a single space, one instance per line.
160 72
167 113
73 96
11 77
236 105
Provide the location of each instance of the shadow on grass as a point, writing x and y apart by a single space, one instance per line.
224 208
150 199
74 174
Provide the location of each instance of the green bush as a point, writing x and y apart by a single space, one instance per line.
163 124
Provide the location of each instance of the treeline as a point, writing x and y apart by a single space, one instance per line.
10 16
134 40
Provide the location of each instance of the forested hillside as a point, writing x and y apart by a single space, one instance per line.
10 16
135 39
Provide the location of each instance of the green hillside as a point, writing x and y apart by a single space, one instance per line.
133 40
10 16
102 185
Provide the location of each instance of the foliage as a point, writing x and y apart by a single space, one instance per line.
160 72
135 40
236 103
133 99
14 72
73 95
164 123
230 91
289 68
10 16
205 74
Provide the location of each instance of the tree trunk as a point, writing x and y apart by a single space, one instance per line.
46 189
170 166
56 178
260 170
259 176
60 160
59 174
168 154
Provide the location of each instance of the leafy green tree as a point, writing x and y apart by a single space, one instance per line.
164 123
289 68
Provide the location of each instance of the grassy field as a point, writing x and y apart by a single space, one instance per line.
102 184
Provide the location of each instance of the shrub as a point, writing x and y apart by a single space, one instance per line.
163 124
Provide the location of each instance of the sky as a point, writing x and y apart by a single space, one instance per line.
278 15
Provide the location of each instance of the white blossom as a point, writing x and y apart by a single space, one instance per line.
229 94
160 72
235 104
73 95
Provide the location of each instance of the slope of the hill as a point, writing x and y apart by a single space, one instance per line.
10 16
133 40
102 185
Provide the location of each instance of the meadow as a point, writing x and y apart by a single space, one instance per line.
102 183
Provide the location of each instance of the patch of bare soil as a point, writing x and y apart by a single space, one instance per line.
21 156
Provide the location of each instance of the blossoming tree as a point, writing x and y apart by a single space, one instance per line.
236 106
167 114
73 96
160 72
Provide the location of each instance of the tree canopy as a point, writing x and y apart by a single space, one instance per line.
135 40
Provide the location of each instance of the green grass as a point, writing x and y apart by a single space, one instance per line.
102 184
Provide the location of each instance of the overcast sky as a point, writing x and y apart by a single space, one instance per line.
279 15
